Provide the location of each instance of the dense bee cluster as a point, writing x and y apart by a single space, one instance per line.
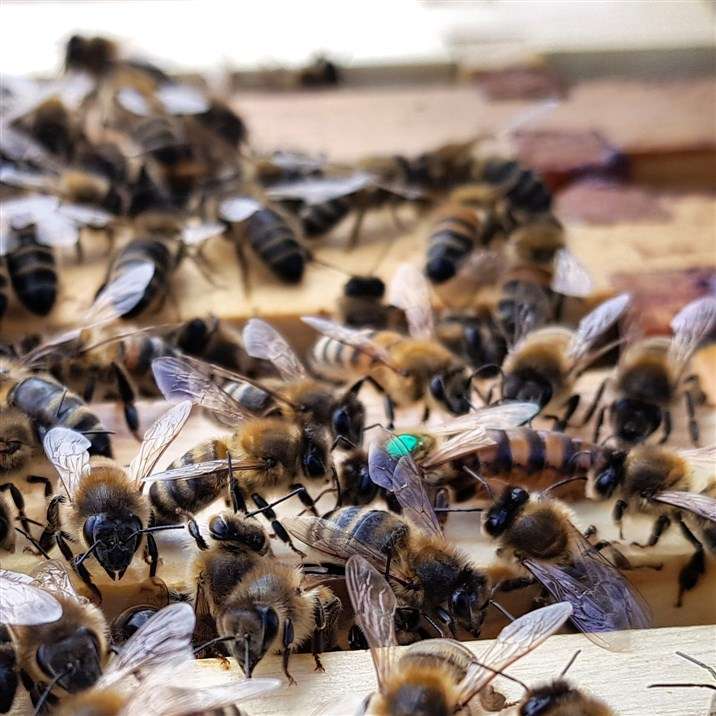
115 150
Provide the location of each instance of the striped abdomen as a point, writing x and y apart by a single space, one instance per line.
31 267
527 191
336 360
4 286
452 239
319 219
190 495
377 528
51 404
273 239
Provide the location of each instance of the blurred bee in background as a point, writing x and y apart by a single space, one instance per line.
282 166
106 511
255 604
437 675
651 377
7 520
58 643
658 481
362 305
407 368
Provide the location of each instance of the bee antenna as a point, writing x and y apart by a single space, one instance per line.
566 480
499 672
40 705
680 686
711 670
570 662
482 481
502 610
211 642
270 505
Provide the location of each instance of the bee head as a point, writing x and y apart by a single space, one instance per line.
506 508
469 601
451 388
114 540
348 418
255 630
527 385
236 529
364 287
314 454
634 420
76 657
610 476
356 485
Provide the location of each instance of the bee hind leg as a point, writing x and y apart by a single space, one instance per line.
661 524
19 503
666 420
39 479
276 526
693 570
127 395
694 432
286 653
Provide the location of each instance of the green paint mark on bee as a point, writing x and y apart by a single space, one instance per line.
405 444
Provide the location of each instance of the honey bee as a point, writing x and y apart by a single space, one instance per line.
257 605
658 481
543 364
407 368
282 166
431 578
58 637
107 511
362 306
538 537
268 453
437 676
651 375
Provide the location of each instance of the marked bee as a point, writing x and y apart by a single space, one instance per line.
104 508
57 639
408 369
659 481
255 604
430 577
651 377
437 676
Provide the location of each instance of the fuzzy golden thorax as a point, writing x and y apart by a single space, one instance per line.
18 441
76 643
651 468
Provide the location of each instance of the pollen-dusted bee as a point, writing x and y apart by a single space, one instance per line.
407 368
538 539
59 638
651 377
437 676
431 578
106 512
256 604
659 481
267 453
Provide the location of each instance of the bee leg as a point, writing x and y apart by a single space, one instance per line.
661 524
19 503
598 424
153 554
305 497
693 423
47 538
388 404
83 573
90 385
512 585
35 691
355 230
618 514
693 570
666 418
286 654
426 412
569 409
127 396
39 479
591 409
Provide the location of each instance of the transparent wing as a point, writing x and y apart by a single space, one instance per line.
26 179
403 479
84 215
320 189
704 457
262 340
163 639
359 339
513 642
52 576
201 468
67 450
595 323
182 99
193 234
409 291
691 325
190 379
529 309
570 277
120 295
24 603
57 230
374 605
24 211
495 417
238 208
694 502
157 439
458 446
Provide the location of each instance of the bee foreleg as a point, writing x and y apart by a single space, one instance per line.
84 575
661 524
19 503
666 418
276 526
691 413
594 404
47 538
355 230
153 554
39 479
286 653
127 396
570 407
618 515
305 497
692 571
511 585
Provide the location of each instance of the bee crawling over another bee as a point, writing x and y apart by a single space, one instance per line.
437 676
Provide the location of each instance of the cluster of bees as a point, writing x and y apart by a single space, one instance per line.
117 146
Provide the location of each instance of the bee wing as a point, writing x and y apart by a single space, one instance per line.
26 179
52 576
409 291
496 417
374 605
403 479
513 642
694 502
531 310
236 209
190 379
182 99
690 326
457 446
262 340
359 339
157 439
120 295
165 638
602 600
67 451
84 215
595 323
198 469
193 234
704 457
317 190
57 230
24 603
570 277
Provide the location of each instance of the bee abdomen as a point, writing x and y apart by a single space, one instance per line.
451 240
51 404
271 237
8 670
32 271
332 354
252 398
319 219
